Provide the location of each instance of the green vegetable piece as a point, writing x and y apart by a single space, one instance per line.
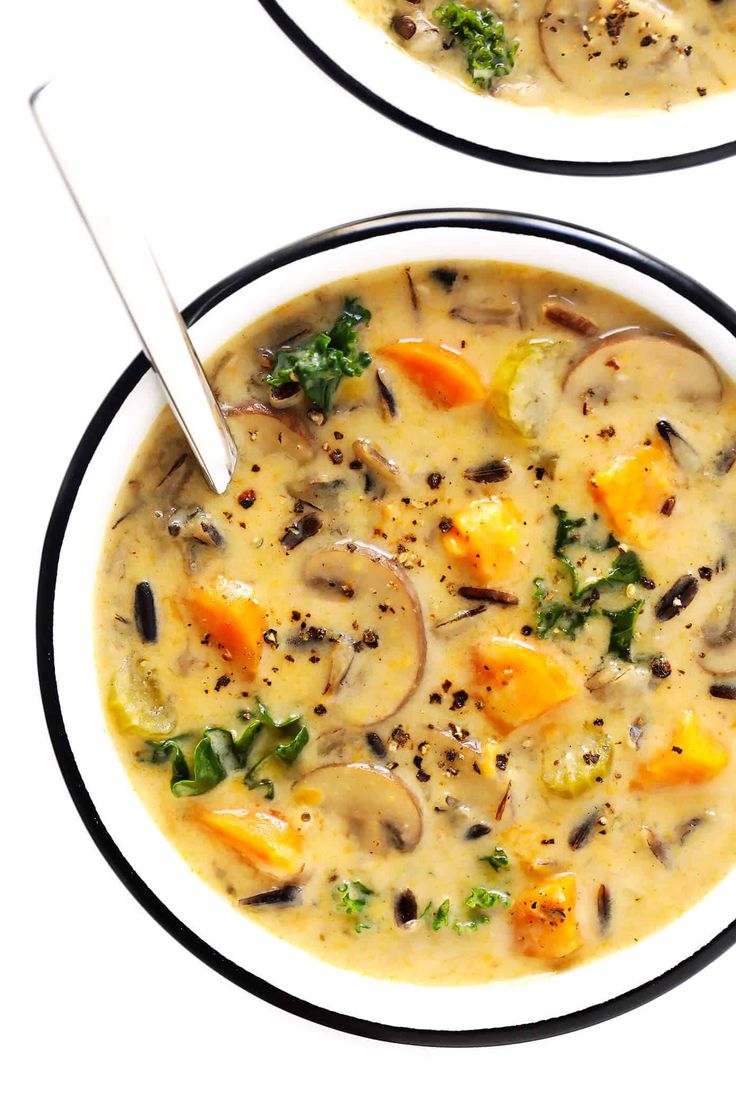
570 769
623 623
351 897
295 738
568 618
482 898
324 359
498 860
461 926
442 915
207 768
627 568
553 614
220 751
481 34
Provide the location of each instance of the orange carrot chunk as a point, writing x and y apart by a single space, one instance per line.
523 681
544 921
632 490
444 375
226 610
692 756
485 537
265 840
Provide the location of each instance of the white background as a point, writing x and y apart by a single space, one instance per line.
236 144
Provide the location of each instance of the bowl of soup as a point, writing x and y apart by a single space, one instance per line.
581 86
424 728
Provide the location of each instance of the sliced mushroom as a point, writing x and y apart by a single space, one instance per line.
370 455
194 523
371 589
304 527
422 38
632 362
479 314
272 429
341 660
583 42
379 808
719 637
320 494
287 396
196 532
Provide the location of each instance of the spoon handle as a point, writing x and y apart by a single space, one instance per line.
60 114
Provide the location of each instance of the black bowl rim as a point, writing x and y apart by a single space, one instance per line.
380 226
361 91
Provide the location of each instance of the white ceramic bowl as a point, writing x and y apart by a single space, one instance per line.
189 909
366 62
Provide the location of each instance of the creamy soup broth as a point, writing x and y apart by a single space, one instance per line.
577 56
477 735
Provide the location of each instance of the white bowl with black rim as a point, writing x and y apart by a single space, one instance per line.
365 61
190 910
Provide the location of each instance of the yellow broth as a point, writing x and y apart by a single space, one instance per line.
582 56
471 785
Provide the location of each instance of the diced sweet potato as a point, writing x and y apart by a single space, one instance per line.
523 681
444 375
265 840
485 537
693 756
226 610
632 491
524 844
544 918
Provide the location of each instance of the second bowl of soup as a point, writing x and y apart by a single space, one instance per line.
440 692
587 87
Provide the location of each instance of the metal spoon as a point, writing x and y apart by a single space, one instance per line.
60 112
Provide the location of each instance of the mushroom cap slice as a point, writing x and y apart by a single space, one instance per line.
584 43
363 584
275 430
634 363
381 811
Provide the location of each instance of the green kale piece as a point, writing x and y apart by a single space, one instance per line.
482 35
320 363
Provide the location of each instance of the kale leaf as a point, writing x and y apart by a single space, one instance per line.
350 897
482 898
554 614
482 36
626 568
219 752
207 767
441 917
498 860
324 359
292 738
623 623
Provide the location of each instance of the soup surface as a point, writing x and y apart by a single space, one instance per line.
442 688
571 55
